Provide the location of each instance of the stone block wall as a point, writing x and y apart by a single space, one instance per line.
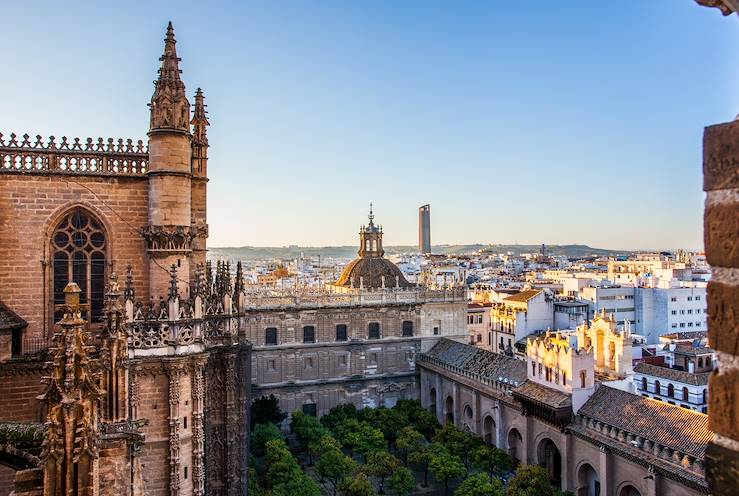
721 231
30 208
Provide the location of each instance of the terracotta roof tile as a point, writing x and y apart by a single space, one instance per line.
669 425
478 361
523 296
543 394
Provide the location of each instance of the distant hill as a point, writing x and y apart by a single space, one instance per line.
349 252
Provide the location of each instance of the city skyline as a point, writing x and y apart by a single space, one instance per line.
519 126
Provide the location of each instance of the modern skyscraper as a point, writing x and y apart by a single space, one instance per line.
424 229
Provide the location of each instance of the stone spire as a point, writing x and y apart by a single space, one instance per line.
200 136
200 120
170 109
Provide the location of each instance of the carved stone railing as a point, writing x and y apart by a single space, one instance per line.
272 299
102 158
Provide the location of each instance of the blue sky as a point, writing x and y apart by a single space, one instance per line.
528 122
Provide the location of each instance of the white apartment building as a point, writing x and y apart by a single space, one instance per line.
615 300
478 324
519 315
662 310
676 387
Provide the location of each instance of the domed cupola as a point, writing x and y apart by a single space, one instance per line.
371 270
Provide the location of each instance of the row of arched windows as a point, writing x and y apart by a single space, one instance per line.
684 395
309 332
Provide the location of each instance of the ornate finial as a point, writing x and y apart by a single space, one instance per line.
200 119
128 293
173 291
371 215
169 106
239 282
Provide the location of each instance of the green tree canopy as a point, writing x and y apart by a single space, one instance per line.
492 460
459 443
309 432
426 423
409 409
409 440
446 468
381 464
387 420
301 485
423 454
346 433
334 466
368 440
480 484
401 482
531 480
357 485
281 465
260 435
337 415
265 410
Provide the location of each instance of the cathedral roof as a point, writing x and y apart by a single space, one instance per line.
475 360
370 271
9 319
669 425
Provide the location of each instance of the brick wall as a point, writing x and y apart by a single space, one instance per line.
20 383
721 228
30 206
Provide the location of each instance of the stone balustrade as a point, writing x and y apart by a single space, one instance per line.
101 158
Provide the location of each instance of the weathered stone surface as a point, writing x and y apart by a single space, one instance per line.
721 156
722 469
721 228
724 399
723 324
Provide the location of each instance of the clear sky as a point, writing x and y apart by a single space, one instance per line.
529 122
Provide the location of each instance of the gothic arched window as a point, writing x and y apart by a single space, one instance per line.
78 253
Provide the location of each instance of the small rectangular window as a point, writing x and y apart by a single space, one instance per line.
407 328
373 330
309 334
340 332
270 336
310 409
436 331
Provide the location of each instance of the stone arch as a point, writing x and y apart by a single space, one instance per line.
468 412
600 338
588 483
449 410
488 430
628 489
549 457
515 445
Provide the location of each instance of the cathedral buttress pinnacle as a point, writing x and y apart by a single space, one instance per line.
170 109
